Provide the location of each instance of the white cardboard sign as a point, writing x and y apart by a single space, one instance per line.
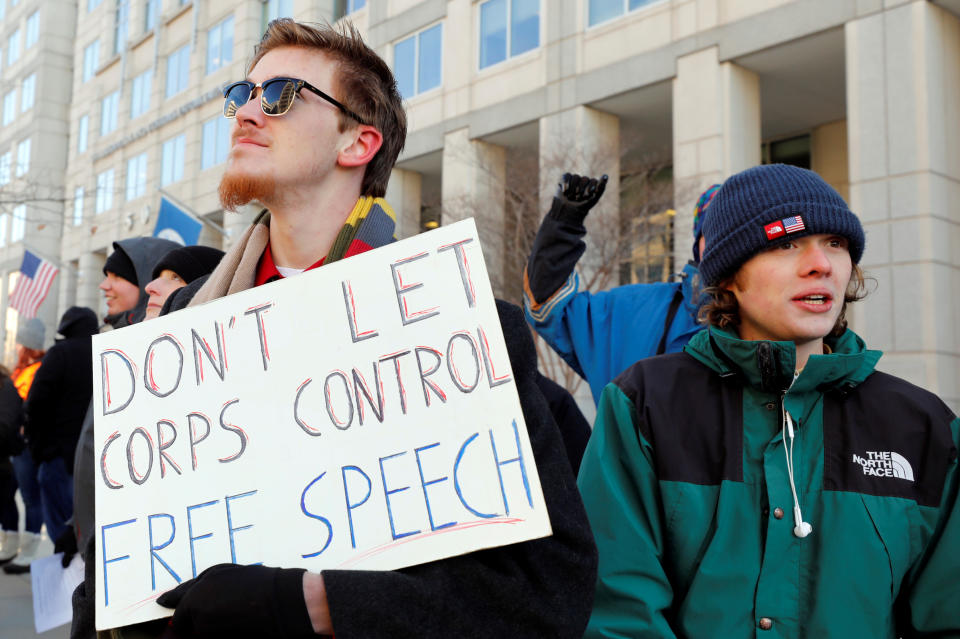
362 415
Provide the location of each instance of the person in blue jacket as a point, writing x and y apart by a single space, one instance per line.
600 334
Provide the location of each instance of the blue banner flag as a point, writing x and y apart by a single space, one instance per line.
176 225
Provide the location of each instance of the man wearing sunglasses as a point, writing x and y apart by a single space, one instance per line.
318 125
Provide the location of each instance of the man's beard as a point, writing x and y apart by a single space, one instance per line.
237 189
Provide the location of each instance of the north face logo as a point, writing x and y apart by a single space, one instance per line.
884 464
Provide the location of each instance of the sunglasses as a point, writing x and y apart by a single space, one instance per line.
276 96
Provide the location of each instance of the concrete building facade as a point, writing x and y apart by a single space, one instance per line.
865 92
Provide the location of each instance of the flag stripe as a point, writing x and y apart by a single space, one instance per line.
29 292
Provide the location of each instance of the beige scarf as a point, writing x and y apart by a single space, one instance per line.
237 270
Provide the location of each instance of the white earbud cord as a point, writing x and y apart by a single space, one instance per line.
802 528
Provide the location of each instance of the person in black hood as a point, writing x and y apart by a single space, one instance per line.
127 271
54 411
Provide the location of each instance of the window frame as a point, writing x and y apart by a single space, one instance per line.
110 110
105 182
136 178
416 59
91 62
32 28
22 166
509 32
32 81
176 167
626 11
182 60
218 27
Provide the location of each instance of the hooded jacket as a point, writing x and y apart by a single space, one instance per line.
600 334
692 507
58 399
144 253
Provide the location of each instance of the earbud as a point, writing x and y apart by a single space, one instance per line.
802 528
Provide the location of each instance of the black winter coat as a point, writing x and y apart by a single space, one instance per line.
11 419
61 390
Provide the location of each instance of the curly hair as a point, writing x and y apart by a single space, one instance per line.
722 310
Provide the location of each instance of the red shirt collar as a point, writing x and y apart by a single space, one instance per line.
267 270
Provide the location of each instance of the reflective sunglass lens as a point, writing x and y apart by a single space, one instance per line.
277 96
236 96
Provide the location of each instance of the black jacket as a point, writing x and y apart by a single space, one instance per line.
61 390
11 418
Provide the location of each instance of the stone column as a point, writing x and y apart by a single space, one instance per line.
716 132
472 185
403 194
586 141
89 276
903 98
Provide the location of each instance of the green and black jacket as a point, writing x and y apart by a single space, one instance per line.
686 486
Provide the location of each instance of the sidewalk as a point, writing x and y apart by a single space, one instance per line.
16 606
16 599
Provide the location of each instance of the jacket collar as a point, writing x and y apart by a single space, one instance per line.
769 366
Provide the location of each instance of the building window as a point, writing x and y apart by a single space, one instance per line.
416 61
13 47
178 70
28 91
150 12
9 107
3 9
137 176
92 4
220 45
603 10
274 9
78 206
121 25
109 108
171 169
83 130
140 95
3 228
795 151
508 28
33 29
104 192
216 142
23 157
91 60
5 161
19 225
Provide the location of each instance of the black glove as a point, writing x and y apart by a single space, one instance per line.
576 195
234 601
67 544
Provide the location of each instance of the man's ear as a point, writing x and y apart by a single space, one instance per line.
367 140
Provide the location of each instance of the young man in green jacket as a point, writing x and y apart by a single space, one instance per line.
768 481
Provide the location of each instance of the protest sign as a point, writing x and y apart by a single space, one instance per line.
362 415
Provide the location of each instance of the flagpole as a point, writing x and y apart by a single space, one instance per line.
219 229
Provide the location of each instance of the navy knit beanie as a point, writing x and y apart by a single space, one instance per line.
763 206
189 262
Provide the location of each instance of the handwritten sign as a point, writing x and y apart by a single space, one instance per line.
362 415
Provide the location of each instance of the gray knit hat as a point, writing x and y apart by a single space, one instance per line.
763 206
31 333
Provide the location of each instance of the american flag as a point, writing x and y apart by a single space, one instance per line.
36 276
793 224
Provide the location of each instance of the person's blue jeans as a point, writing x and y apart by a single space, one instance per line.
26 473
56 490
